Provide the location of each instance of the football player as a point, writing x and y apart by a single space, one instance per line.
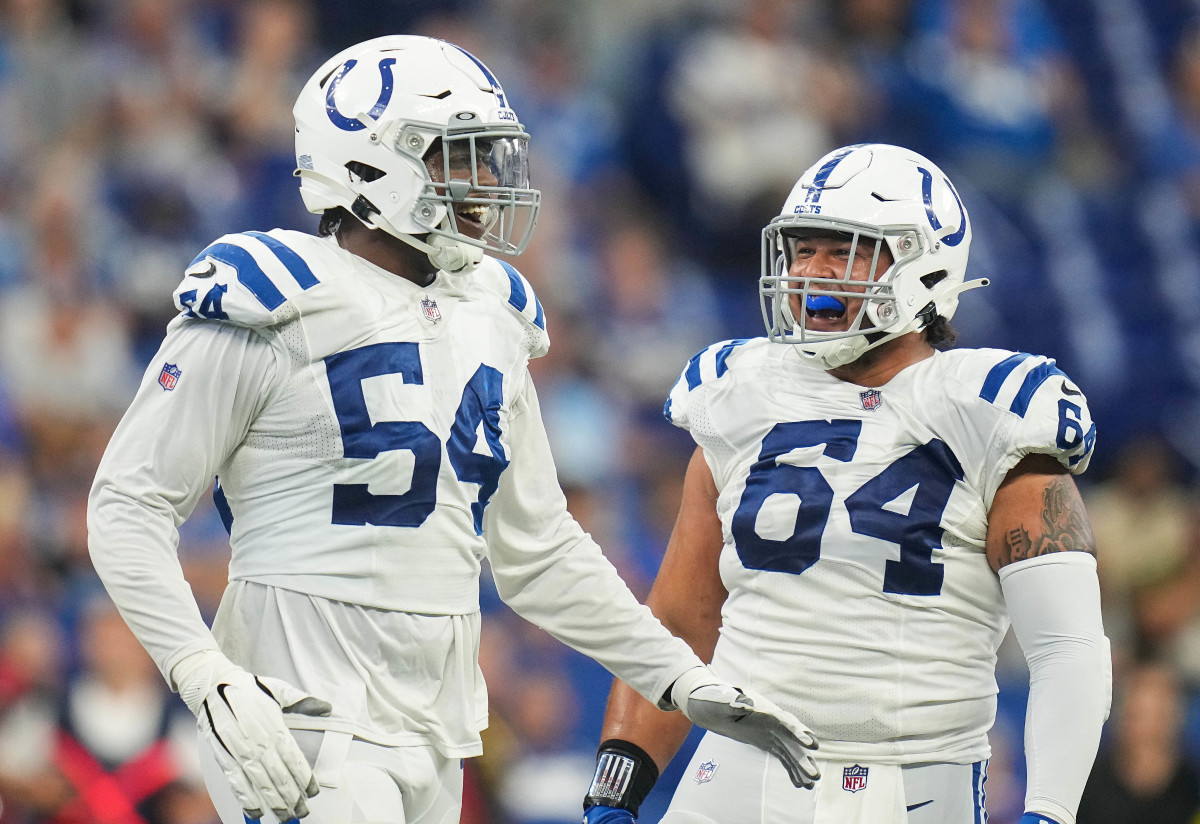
864 516
364 399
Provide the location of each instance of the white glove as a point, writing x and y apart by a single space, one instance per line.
241 717
753 719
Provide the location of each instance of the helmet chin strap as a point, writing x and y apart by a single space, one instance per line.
453 256
831 354
446 253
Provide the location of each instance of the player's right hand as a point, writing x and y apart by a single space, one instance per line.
750 718
241 716
601 814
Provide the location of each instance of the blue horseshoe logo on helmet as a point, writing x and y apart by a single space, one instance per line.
927 195
350 124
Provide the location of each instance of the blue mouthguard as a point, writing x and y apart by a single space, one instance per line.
816 303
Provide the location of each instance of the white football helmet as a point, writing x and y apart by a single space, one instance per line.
868 192
371 118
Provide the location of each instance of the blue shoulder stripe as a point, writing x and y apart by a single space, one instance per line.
1029 385
996 377
1036 377
249 273
518 299
295 264
252 276
723 354
692 372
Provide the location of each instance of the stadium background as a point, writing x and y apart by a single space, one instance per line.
665 134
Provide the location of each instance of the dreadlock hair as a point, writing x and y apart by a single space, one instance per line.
940 334
332 220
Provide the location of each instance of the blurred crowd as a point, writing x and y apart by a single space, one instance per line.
665 134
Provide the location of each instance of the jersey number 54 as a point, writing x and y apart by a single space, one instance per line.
482 397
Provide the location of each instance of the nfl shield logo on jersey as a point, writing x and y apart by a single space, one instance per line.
430 309
871 399
704 773
169 376
854 778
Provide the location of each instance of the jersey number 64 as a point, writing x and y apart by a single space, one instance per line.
931 468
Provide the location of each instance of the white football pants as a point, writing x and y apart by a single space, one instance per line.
361 783
728 782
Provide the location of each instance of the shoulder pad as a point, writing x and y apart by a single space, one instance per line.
1014 381
1052 411
521 297
709 364
523 301
244 279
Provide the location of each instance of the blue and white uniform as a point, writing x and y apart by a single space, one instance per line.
854 523
374 441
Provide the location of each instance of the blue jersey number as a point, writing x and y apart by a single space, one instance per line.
768 476
931 468
480 405
1070 430
353 504
210 307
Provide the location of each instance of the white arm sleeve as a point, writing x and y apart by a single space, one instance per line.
161 459
1054 603
554 575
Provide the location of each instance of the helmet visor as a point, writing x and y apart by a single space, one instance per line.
482 180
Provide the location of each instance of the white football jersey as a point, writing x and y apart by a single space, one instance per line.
403 394
374 440
854 519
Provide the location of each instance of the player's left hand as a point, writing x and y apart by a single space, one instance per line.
750 718
241 715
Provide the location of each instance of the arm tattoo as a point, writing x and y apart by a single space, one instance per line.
1019 543
1065 526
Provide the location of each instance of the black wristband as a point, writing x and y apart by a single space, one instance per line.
625 774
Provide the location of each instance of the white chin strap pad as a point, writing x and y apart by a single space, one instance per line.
831 354
452 255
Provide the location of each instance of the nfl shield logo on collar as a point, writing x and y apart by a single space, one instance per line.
871 399
169 376
429 309
854 778
704 773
